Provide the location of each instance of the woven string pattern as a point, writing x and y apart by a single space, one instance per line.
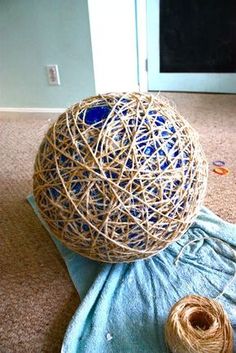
118 177
198 325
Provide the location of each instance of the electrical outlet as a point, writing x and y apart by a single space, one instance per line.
53 75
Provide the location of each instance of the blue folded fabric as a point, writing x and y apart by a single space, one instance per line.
124 306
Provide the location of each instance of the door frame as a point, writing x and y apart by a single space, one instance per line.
141 38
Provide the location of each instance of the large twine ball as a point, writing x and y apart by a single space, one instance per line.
118 177
198 325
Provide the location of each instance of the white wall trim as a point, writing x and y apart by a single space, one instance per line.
32 110
141 25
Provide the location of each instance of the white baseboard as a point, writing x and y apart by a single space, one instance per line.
32 110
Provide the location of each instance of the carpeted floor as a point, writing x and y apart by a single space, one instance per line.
37 296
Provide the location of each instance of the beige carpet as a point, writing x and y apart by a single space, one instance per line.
37 296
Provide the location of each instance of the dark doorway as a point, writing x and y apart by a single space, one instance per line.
198 36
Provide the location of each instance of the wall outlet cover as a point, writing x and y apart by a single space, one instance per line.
53 75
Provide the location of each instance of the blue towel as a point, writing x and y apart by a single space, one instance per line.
124 306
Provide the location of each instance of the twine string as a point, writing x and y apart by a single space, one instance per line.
198 325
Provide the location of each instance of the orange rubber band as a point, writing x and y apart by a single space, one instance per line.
221 171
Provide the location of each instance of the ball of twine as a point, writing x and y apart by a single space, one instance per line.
198 325
119 177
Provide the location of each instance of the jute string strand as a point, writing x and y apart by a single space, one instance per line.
198 325
127 206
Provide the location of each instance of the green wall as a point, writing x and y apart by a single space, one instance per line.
35 33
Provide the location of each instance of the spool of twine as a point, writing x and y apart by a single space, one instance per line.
198 325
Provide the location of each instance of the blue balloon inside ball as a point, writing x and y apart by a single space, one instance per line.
96 115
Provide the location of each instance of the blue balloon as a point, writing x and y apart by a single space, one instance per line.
54 193
85 227
76 187
160 120
97 115
149 150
